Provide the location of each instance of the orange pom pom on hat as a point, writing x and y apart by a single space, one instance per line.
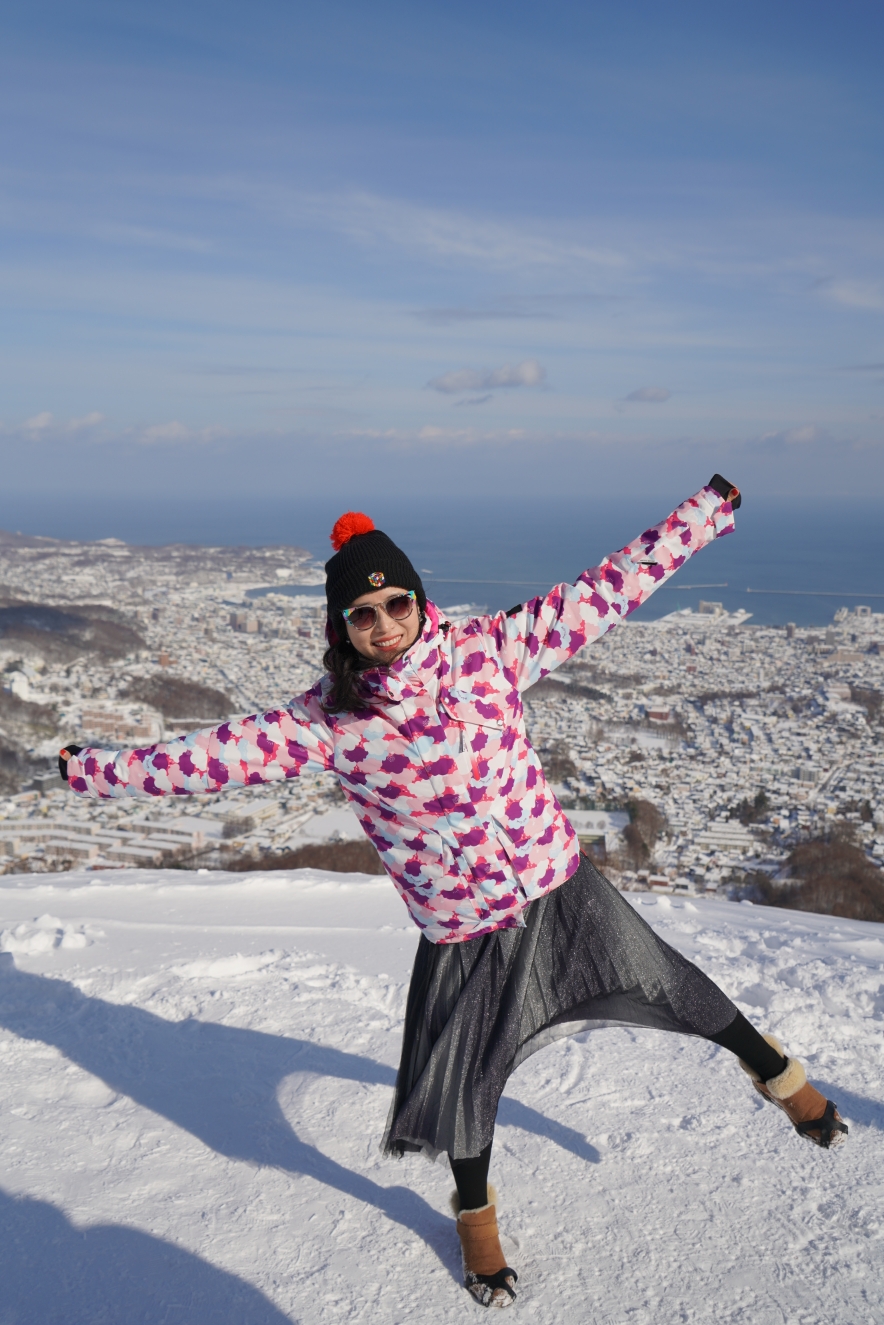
352 522
365 559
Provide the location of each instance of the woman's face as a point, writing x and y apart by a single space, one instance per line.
387 639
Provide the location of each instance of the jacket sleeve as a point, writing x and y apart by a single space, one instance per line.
548 631
268 747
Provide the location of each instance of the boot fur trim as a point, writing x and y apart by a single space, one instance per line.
789 1081
774 1044
812 1116
454 1202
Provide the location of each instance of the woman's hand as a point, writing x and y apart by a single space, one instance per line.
63 757
726 490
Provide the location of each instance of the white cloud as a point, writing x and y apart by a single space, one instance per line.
804 435
449 235
854 294
527 373
432 435
650 394
39 423
142 237
435 436
88 421
464 379
801 436
166 432
159 433
45 426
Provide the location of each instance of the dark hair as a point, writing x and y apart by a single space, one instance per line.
345 666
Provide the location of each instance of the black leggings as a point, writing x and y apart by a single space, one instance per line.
740 1037
471 1179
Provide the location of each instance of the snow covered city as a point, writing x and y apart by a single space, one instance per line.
726 745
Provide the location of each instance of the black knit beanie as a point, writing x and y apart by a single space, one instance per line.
365 560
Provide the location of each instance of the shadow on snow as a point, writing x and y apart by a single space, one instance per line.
220 1084
57 1274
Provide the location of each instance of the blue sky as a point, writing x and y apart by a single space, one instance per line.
495 248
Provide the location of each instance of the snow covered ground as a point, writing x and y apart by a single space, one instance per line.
195 1072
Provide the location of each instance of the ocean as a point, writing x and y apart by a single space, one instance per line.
787 561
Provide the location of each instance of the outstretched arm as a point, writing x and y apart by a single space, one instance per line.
268 747
548 631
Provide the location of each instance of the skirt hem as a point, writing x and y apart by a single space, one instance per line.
478 1009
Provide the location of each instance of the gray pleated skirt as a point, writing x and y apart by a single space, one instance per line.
477 1009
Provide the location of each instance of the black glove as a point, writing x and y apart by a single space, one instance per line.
726 490
63 757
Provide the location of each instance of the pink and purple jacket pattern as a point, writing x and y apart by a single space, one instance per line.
437 766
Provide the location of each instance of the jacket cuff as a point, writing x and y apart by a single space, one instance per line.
77 773
721 512
726 489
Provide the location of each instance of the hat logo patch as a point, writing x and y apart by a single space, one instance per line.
376 578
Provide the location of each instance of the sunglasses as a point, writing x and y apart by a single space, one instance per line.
399 607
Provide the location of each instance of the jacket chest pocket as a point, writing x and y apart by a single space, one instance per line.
475 724
471 710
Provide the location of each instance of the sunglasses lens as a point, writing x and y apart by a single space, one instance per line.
399 607
361 617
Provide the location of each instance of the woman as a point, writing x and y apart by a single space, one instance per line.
522 940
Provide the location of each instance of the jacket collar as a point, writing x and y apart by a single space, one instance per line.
421 658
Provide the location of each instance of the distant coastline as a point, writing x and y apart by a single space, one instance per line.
825 553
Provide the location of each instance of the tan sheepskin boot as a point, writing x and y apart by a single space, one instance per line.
485 1272
811 1114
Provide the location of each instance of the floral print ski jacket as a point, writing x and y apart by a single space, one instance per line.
438 767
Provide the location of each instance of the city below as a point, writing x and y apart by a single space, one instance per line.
697 753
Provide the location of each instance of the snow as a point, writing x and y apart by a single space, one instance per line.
195 1071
